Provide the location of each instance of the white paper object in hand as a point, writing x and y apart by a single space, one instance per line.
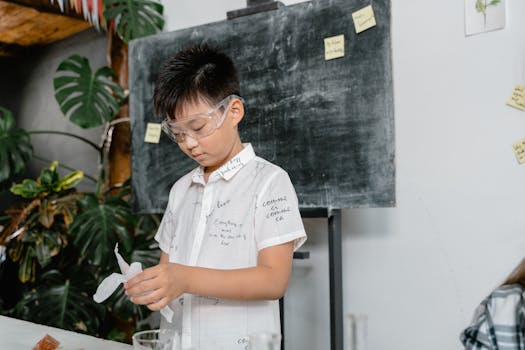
111 283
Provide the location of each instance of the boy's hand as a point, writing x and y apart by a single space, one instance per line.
156 286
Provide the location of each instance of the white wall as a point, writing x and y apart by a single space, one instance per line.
419 270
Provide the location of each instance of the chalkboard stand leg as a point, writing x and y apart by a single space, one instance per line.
336 280
335 270
254 7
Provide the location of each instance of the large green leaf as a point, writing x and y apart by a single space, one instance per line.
63 300
36 246
27 268
98 227
86 98
15 147
134 18
48 182
27 189
145 249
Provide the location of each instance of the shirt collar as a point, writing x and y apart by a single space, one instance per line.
230 168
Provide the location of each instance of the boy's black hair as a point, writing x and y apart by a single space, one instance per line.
192 75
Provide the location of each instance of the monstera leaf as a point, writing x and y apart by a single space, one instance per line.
15 147
98 227
145 249
134 18
63 300
86 98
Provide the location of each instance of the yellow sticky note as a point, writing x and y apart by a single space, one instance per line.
519 150
153 131
517 100
364 19
334 47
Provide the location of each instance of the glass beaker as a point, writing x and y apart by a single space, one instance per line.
156 339
357 331
264 341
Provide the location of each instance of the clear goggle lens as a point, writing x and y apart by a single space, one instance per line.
198 125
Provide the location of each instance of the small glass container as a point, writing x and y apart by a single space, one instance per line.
264 341
357 332
156 339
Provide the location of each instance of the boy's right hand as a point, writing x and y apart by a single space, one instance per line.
157 286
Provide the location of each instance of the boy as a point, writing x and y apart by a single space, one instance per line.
231 226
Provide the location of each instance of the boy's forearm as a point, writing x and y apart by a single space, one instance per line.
255 283
158 285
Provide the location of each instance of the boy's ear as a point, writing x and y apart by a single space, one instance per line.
237 111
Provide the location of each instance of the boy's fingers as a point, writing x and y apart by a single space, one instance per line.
144 275
141 288
147 299
156 306
132 282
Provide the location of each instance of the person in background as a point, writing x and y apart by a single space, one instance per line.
231 225
499 321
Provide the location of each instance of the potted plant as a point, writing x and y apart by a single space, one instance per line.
58 240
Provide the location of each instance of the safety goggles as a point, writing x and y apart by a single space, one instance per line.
198 125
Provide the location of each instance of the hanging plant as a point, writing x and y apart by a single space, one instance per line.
134 18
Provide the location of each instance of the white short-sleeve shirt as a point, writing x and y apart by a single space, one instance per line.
247 205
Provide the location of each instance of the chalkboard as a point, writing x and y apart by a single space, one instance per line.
328 123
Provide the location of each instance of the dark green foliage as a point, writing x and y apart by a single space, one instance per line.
15 148
60 242
134 18
98 226
63 299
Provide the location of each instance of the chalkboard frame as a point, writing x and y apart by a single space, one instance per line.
329 123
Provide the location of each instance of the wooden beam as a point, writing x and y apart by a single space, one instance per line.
23 27
46 6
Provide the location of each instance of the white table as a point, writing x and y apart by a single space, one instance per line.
22 335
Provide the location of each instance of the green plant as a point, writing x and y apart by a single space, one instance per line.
40 224
134 19
100 223
63 242
63 300
60 240
85 97
15 148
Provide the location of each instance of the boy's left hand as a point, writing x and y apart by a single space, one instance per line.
156 286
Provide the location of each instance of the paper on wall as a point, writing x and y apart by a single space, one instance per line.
517 100
112 282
